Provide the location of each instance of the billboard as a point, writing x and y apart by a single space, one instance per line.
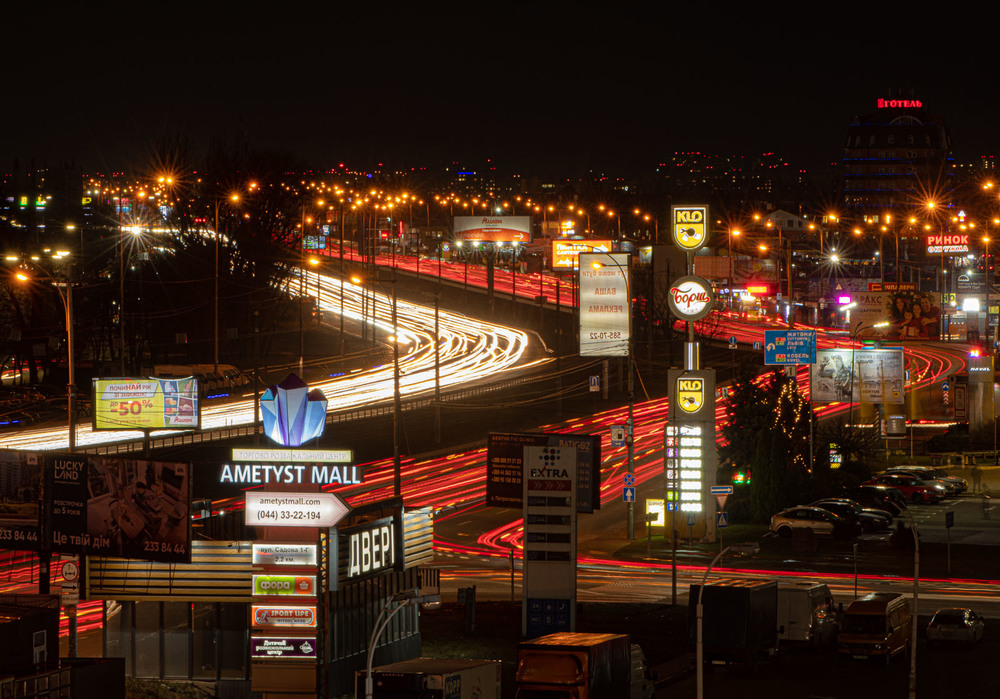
858 375
896 315
146 404
96 506
605 304
505 467
493 229
21 490
566 253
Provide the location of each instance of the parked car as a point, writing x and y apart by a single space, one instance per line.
910 487
955 625
960 484
820 521
955 438
951 486
870 519
879 496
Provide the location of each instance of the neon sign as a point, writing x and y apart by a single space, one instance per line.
899 104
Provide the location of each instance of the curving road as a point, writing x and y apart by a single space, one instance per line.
469 350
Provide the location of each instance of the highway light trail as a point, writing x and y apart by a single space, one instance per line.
469 351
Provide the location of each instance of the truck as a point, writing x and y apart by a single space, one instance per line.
806 613
433 678
575 665
739 620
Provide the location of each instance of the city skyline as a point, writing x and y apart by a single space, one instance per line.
549 94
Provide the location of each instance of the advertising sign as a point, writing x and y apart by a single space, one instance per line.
21 490
505 467
605 304
948 244
146 404
549 554
689 226
367 549
284 554
690 298
263 647
493 229
789 347
284 585
271 616
896 315
294 509
566 253
858 375
129 508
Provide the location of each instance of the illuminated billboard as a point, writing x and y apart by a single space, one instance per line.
566 253
96 505
605 304
858 375
957 244
896 315
146 404
493 229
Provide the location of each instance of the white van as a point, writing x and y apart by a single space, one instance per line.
806 613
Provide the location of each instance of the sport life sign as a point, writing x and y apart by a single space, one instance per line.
270 616
689 226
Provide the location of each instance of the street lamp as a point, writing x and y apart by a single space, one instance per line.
66 297
395 604
735 233
234 198
630 506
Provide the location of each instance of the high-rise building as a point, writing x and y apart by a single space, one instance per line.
895 158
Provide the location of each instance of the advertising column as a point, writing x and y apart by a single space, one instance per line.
549 603
690 458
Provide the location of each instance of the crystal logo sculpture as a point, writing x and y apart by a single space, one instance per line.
292 413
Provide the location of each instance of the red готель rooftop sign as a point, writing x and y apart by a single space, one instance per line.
899 104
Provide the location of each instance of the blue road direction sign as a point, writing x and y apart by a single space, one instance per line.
757 345
628 494
789 347
722 490
733 341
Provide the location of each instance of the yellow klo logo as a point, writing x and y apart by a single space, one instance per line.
690 394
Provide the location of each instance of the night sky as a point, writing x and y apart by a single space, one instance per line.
546 88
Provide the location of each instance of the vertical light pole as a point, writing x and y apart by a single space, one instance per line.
735 233
66 297
630 443
234 198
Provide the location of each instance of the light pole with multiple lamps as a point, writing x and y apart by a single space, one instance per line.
233 198
65 291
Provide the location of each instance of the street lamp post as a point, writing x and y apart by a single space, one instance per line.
732 234
393 606
630 444
233 197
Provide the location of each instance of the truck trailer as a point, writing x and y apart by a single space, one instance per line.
433 678
739 619
582 666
